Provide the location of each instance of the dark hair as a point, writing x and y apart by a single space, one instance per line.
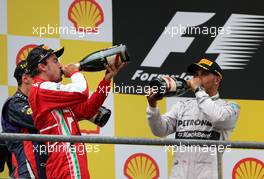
19 81
36 71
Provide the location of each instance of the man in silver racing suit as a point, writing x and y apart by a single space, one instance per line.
204 117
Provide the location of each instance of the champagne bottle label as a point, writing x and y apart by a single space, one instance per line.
102 116
114 59
171 85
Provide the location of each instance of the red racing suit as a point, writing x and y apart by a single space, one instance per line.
56 108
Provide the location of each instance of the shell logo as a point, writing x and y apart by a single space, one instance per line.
23 52
95 130
86 15
141 166
248 168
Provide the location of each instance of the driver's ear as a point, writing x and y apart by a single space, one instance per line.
41 67
217 80
23 78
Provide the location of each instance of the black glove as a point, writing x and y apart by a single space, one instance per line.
102 116
3 155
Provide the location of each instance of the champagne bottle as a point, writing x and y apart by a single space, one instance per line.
98 60
169 86
101 117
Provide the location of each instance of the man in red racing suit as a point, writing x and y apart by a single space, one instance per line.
56 108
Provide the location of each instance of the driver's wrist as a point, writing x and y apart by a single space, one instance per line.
197 89
107 79
153 104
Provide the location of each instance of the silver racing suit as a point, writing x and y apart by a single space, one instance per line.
203 117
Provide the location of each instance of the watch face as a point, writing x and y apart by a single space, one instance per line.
198 89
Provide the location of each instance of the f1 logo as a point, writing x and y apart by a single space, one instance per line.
235 48
166 44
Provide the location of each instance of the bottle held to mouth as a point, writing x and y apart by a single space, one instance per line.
169 86
98 60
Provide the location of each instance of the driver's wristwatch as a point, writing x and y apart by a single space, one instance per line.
199 88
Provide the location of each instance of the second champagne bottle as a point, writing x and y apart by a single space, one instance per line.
169 86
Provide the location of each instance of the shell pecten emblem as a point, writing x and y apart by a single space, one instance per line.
86 15
141 166
23 52
248 168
